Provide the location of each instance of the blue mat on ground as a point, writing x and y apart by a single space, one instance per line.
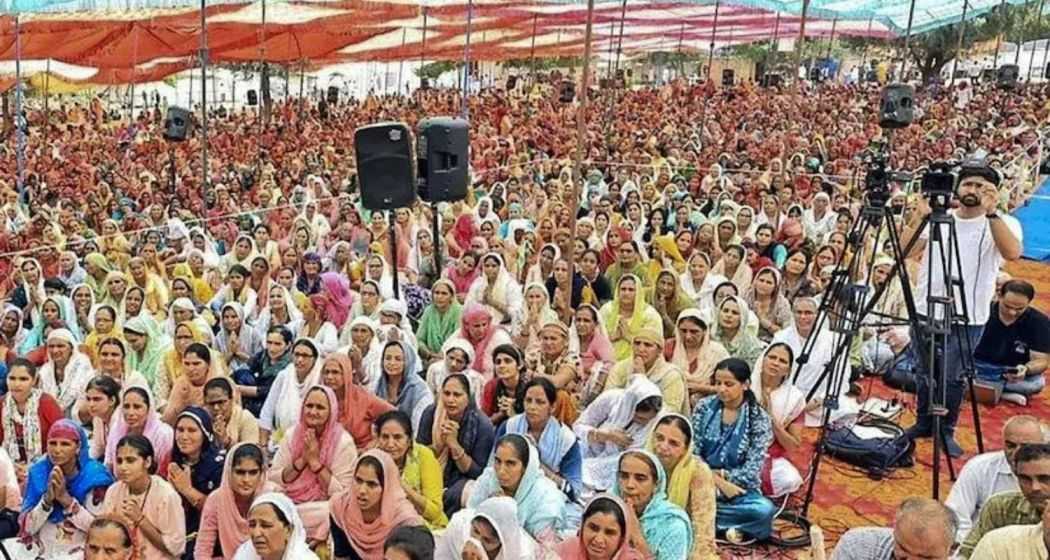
1035 222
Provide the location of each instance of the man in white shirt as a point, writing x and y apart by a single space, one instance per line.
986 240
991 473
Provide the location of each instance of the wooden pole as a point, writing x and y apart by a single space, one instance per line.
999 36
711 46
47 98
907 43
532 52
619 42
401 64
774 45
801 39
1020 35
959 42
581 144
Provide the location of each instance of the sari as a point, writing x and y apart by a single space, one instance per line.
642 317
666 527
745 344
297 548
435 327
738 450
612 410
364 537
541 505
574 549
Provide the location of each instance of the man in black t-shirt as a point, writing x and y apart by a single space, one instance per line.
1014 350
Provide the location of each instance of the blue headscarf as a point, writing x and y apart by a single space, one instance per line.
206 475
91 474
666 527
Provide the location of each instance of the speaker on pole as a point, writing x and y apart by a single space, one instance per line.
332 95
728 77
897 106
512 82
253 98
385 167
441 149
1007 75
178 125
567 91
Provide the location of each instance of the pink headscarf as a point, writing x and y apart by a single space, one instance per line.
307 488
157 432
476 312
340 298
394 510
233 527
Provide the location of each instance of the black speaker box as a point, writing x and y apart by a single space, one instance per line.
333 95
178 125
512 82
253 98
728 77
385 166
1007 75
567 91
441 149
896 109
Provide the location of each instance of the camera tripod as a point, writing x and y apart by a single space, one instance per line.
850 306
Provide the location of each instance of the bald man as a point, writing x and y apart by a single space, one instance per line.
923 530
991 473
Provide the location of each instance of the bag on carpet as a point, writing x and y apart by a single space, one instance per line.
875 445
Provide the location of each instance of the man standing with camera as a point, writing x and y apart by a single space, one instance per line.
986 239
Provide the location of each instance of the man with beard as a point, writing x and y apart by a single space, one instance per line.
986 239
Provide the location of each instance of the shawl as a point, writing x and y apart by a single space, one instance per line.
439 371
297 549
482 353
413 395
152 354
30 422
672 256
545 314
90 475
745 344
505 290
779 306
307 487
232 527
573 548
711 280
247 337
741 276
295 316
395 510
787 402
555 442
436 327
620 416
76 375
463 231
737 447
462 282
687 467
641 317
340 299
21 332
157 432
663 522
359 406
599 349
541 505
680 300
67 316
707 357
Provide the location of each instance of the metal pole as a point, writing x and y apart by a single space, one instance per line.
401 64
1020 34
619 42
831 40
47 98
999 36
302 80
801 39
1046 51
465 109
581 141
958 44
423 48
532 52
264 76
612 44
204 96
774 45
1039 25
862 74
20 122
435 217
907 43
711 47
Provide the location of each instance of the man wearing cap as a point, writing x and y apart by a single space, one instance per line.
647 359
986 240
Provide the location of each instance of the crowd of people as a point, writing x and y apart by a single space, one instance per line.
257 366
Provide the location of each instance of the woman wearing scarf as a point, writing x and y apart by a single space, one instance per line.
338 298
13 331
153 286
116 290
56 311
495 517
666 532
58 527
541 505
399 383
314 462
420 471
733 434
458 355
196 465
26 414
690 484
766 299
379 271
588 339
236 289
627 314
358 408
171 370
316 325
439 321
361 519
281 310
67 371
537 313
694 353
138 416
728 234
617 421
463 231
733 267
273 509
479 329
368 304
146 345
734 331
237 341
496 289
282 410
200 364
785 405
591 544
224 519
242 254
665 256
700 279
255 381
261 281
462 273
540 272
669 300
553 359
460 435
560 450
98 268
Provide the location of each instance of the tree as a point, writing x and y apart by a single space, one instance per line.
433 70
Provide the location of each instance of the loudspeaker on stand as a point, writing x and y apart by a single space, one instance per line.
385 167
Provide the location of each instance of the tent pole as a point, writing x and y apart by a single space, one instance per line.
1039 24
711 47
612 43
907 43
999 36
801 39
47 98
1020 34
619 42
1046 51
302 84
19 121
774 45
204 96
264 76
831 40
465 109
423 50
862 74
532 52
401 64
958 44
581 138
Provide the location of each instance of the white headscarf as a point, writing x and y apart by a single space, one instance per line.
296 549
77 374
502 514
